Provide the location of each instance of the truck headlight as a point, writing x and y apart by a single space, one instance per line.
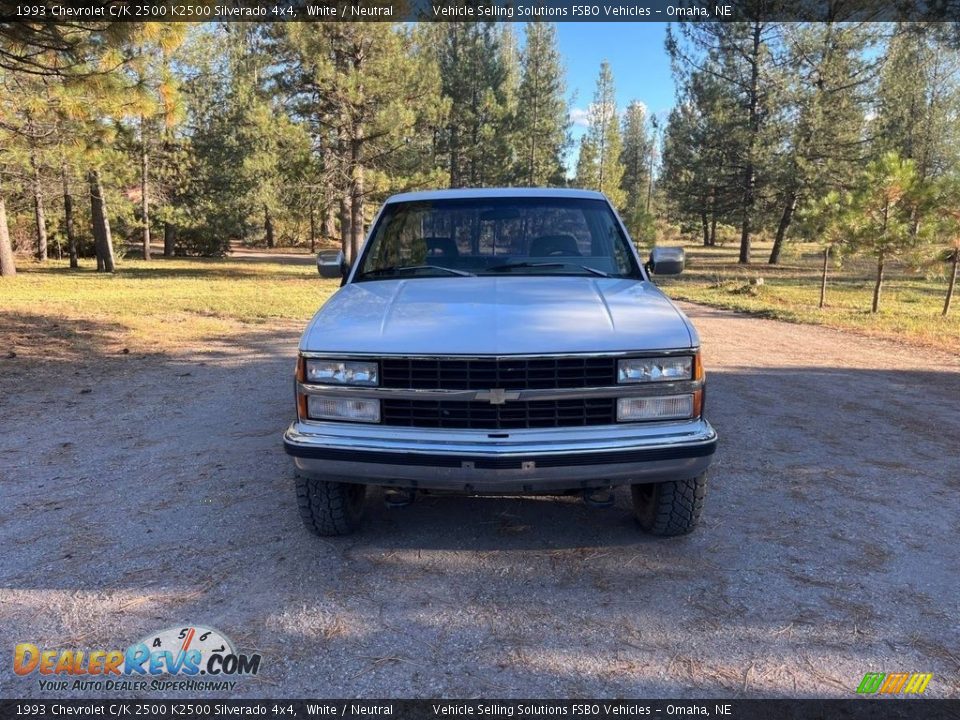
342 372
655 369
666 407
322 407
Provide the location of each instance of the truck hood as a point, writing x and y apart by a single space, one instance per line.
498 316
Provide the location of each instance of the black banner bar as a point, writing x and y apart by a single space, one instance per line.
126 709
476 10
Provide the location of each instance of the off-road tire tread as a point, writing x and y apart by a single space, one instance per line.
325 507
677 506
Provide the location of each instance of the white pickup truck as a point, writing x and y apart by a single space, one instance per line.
501 341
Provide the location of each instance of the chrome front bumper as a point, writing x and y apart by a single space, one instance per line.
502 461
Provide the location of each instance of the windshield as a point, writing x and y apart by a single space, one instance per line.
502 236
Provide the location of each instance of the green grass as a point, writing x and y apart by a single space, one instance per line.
161 303
910 307
165 303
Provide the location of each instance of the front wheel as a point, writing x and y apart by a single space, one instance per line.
671 508
330 508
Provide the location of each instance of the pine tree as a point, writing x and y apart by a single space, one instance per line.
49 119
744 58
8 267
599 166
918 99
476 76
701 174
58 49
154 101
682 173
102 237
587 171
362 85
829 220
883 207
947 232
543 123
30 127
637 160
828 91
234 130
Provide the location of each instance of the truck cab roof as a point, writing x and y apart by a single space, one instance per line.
483 193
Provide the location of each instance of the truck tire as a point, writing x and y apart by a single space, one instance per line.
669 509
330 508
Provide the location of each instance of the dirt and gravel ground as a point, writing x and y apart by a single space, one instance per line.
149 489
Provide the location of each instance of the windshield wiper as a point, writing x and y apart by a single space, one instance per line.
512 265
394 269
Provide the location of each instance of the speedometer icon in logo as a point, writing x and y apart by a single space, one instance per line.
191 650
183 639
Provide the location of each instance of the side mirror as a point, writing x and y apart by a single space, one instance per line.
666 261
330 263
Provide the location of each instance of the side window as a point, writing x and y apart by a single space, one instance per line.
611 237
620 255
402 241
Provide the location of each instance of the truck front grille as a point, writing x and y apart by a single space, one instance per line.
504 372
511 415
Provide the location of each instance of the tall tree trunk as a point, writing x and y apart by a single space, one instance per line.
144 190
747 217
750 171
878 287
455 157
950 287
8 267
101 224
169 239
532 140
328 229
328 213
268 225
345 232
601 152
823 277
356 191
68 216
650 173
313 230
709 217
40 219
785 218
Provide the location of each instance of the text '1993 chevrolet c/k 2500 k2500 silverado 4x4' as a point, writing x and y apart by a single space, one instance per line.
501 341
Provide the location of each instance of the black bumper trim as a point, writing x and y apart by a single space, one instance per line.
512 462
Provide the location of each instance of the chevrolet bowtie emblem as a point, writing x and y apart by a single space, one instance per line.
497 396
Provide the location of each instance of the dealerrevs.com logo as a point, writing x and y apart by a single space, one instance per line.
178 658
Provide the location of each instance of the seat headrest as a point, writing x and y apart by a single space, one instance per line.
547 245
441 246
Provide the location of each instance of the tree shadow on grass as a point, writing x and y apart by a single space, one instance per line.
29 337
37 348
215 268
